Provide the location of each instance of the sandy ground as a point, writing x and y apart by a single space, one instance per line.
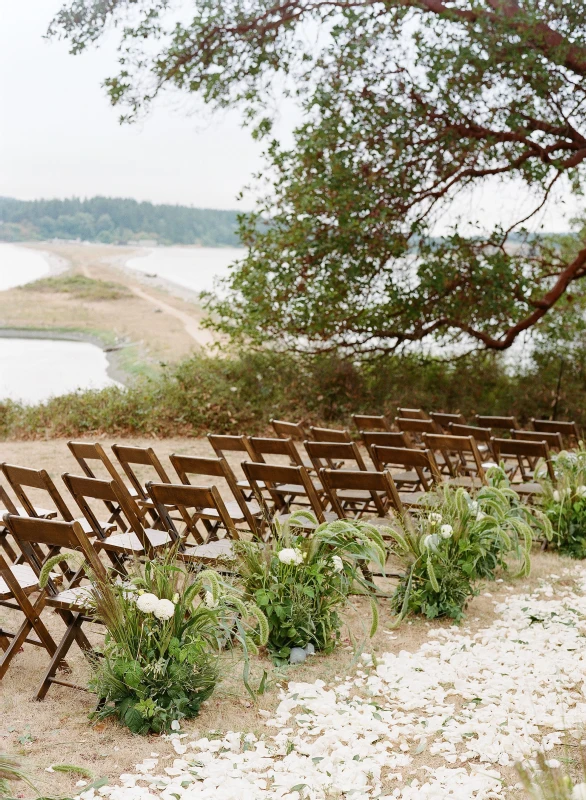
153 325
57 731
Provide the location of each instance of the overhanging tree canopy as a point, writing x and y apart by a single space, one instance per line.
408 104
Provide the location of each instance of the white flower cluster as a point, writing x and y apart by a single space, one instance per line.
440 723
149 603
432 540
288 555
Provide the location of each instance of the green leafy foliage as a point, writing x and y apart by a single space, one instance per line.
564 502
242 391
302 583
80 287
159 664
459 541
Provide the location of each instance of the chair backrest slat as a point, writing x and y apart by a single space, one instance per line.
445 420
365 422
500 423
289 430
330 435
553 438
417 425
129 456
412 413
269 446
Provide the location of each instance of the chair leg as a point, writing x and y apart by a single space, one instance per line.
32 622
72 633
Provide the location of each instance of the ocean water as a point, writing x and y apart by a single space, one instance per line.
33 370
196 268
19 265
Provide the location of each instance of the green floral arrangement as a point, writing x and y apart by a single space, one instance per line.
165 630
302 583
458 540
564 501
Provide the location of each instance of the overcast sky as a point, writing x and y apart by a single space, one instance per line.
59 136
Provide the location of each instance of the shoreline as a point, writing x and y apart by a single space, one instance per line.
114 370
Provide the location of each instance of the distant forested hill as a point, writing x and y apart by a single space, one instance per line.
114 221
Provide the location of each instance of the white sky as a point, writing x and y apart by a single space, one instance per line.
59 136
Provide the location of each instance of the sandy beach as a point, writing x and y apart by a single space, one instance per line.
157 323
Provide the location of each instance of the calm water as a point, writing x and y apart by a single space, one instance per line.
20 265
32 370
193 267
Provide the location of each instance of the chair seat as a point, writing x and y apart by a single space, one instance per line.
233 509
76 598
359 495
466 481
26 578
405 477
43 513
129 542
108 527
413 498
211 551
527 488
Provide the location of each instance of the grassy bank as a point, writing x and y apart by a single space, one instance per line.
243 392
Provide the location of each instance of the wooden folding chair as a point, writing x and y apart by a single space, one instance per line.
482 436
461 455
568 430
420 463
197 504
330 435
283 484
88 454
285 451
239 446
527 455
498 423
136 539
415 428
129 457
339 483
445 420
23 478
554 439
412 413
239 509
297 433
364 422
31 535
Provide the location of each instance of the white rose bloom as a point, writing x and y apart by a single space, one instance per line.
579 791
338 563
435 518
431 541
474 506
164 609
290 556
210 600
446 531
556 496
147 602
581 490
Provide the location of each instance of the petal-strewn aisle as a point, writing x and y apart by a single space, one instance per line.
448 720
